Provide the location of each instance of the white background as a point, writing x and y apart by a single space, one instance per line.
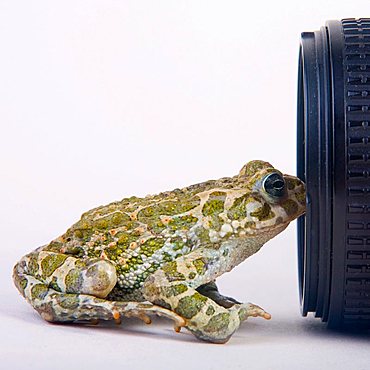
104 99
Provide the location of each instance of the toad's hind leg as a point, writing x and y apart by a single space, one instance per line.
65 289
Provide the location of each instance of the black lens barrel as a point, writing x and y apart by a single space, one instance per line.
333 158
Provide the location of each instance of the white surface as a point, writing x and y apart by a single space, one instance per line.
105 99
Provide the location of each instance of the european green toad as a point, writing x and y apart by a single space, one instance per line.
161 254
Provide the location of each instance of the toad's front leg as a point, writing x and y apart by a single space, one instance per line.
174 287
246 310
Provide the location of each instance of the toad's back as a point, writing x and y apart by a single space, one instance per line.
139 235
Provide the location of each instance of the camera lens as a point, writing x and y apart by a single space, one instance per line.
333 157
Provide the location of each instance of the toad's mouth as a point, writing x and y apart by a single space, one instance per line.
283 215
276 229
277 224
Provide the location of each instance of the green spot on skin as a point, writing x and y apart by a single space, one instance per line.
93 253
119 219
82 230
151 245
218 194
51 262
212 207
243 314
210 311
146 212
134 263
124 239
151 215
177 243
218 323
252 167
155 225
32 265
170 269
290 207
238 209
263 213
73 281
23 283
199 266
54 246
84 223
39 291
79 234
101 224
20 283
289 184
189 306
175 290
167 257
203 235
168 208
80 263
69 301
292 183
162 303
192 275
182 223
111 221
301 197
113 252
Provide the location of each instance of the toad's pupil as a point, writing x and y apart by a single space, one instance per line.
278 184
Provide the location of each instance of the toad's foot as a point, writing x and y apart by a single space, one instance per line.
251 310
246 310
143 311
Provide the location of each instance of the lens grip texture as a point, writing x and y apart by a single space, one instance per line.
357 117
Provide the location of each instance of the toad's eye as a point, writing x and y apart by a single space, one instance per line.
274 185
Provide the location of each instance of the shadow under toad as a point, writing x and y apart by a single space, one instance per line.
290 328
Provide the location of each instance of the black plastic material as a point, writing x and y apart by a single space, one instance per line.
333 157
